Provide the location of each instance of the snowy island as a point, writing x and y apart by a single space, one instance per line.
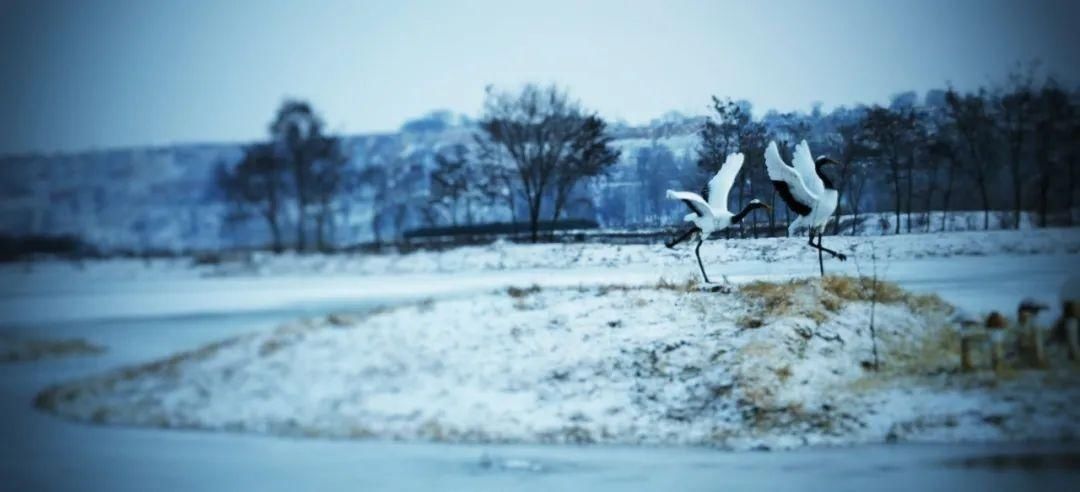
767 365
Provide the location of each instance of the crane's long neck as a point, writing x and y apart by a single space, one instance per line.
750 207
825 179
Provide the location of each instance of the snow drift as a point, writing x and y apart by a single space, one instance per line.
772 365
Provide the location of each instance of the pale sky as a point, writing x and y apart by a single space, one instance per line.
88 74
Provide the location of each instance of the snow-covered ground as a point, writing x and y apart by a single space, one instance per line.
774 365
501 256
721 253
144 313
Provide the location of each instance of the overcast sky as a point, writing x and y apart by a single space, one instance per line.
85 74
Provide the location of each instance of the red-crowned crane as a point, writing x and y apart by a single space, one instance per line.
807 191
709 211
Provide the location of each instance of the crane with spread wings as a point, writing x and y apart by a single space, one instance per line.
807 191
709 213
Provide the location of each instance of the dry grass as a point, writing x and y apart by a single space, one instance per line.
937 351
688 286
774 299
868 289
168 367
815 298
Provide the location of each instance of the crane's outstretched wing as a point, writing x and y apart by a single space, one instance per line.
803 162
787 182
697 204
720 185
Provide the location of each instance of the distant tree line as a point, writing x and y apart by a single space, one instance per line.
536 156
1009 150
531 152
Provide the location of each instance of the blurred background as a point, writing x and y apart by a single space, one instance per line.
160 128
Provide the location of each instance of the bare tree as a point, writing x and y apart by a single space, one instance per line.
256 183
859 177
848 149
655 166
972 120
941 149
450 182
538 131
394 186
1015 108
590 155
329 174
297 133
884 134
1054 112
720 133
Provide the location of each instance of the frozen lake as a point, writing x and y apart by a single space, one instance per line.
138 321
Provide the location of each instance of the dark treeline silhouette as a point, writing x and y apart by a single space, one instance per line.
1010 150
534 157
534 147
546 144
300 166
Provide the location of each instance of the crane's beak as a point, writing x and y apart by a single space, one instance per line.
826 160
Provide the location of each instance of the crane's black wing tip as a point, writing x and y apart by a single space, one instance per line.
785 193
690 205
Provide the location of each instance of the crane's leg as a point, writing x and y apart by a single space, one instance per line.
821 249
682 237
839 256
820 260
697 252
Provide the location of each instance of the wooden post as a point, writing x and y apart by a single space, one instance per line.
1040 348
1072 320
965 354
970 333
995 326
1024 338
1030 337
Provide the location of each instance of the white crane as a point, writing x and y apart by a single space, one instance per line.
710 212
807 192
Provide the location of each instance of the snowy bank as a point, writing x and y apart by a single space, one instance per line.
502 256
770 365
